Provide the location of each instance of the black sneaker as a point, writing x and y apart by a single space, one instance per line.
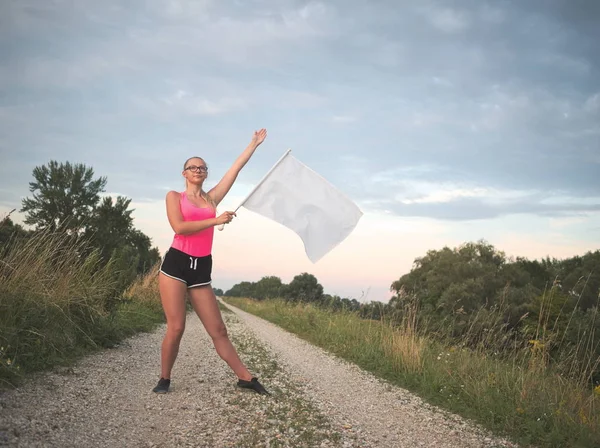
254 385
162 387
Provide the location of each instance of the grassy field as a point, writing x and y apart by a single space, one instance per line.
516 396
56 306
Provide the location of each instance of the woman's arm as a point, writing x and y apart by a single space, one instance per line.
182 227
218 192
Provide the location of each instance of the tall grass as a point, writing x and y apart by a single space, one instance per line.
403 345
57 303
515 392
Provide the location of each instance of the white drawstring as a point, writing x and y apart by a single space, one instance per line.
193 263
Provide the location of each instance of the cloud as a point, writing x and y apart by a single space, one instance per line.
447 20
235 35
448 96
343 119
183 9
429 192
190 104
472 208
152 36
592 104
444 196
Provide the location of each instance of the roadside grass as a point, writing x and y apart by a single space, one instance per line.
517 396
56 306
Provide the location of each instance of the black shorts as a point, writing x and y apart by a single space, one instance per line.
193 271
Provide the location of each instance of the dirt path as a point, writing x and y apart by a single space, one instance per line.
382 414
106 400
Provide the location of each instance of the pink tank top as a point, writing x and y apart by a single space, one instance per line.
197 244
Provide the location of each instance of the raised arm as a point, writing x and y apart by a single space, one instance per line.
218 192
182 227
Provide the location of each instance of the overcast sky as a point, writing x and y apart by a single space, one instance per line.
445 122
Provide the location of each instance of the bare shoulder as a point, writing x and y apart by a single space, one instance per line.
172 195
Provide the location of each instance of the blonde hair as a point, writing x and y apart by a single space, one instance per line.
203 194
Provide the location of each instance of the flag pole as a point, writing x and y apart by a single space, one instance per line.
222 226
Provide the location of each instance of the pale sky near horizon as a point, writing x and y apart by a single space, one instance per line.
445 122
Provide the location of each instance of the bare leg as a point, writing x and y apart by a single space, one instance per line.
205 304
172 295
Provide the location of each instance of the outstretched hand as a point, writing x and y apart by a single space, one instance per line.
259 136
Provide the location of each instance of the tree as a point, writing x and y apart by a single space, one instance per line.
457 287
10 231
268 288
304 288
125 261
110 225
243 289
64 196
373 310
110 229
148 256
450 280
580 279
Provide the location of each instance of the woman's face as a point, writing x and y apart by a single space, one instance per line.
195 170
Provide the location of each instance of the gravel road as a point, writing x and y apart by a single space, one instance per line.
317 400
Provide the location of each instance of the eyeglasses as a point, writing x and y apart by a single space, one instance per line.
197 169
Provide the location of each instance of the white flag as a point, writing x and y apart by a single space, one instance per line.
294 195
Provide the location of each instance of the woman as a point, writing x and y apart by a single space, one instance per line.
187 265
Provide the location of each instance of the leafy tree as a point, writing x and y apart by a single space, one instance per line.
450 280
64 196
243 289
110 229
337 303
332 302
304 288
110 225
373 310
148 256
454 286
268 288
125 259
9 231
540 273
218 291
579 278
